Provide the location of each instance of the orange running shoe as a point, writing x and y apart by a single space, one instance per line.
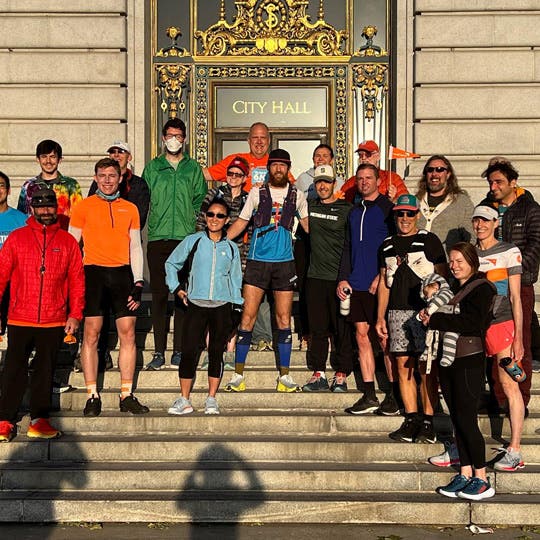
42 430
6 431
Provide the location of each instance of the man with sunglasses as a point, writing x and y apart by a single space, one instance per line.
369 223
445 208
391 184
404 260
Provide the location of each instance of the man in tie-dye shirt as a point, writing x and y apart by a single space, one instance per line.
68 191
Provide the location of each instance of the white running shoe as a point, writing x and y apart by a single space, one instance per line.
181 406
285 383
236 384
447 458
211 406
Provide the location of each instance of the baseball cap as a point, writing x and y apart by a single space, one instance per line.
485 212
406 202
239 163
121 145
279 155
324 172
43 197
368 146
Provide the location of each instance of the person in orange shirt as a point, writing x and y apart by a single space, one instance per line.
392 185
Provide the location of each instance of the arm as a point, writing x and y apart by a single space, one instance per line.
22 205
305 224
136 257
345 265
206 174
531 250
75 232
144 203
514 282
76 286
7 261
236 276
176 261
237 228
383 296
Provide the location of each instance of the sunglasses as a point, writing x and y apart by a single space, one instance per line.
436 169
214 214
235 174
406 213
118 151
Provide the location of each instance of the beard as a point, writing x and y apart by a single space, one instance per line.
45 219
278 180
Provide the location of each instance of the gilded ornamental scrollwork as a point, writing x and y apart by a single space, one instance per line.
271 28
172 80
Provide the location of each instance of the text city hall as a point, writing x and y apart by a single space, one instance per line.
271 107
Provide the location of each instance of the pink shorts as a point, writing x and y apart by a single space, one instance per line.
499 337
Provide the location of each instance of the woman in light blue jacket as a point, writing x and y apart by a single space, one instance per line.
213 295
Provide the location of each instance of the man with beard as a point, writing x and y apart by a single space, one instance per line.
44 266
270 264
177 189
445 209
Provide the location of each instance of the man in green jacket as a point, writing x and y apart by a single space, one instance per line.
177 189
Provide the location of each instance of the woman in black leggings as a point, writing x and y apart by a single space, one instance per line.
462 383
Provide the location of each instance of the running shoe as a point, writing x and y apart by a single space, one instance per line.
339 383
204 363
476 490
389 406
92 407
42 430
6 431
364 405
407 431
228 361
77 366
511 460
285 383
236 384
181 406
175 358
451 490
426 434
131 404
157 362
317 383
536 366
60 388
448 457
264 345
211 406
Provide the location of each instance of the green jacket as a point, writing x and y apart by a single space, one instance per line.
175 197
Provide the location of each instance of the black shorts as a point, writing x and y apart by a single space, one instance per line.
363 307
275 276
107 287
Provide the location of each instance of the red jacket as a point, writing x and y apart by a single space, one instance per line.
349 187
44 267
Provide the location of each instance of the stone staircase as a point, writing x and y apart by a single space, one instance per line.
269 457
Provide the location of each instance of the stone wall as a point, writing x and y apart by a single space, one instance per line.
69 73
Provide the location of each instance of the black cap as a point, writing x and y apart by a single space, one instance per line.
279 155
43 197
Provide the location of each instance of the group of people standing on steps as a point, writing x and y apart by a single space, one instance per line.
402 267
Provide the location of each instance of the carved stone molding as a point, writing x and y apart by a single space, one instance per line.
271 28
372 79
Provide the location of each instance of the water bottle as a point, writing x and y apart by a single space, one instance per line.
345 305
513 369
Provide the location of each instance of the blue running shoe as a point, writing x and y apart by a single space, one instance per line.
157 362
175 358
476 490
451 490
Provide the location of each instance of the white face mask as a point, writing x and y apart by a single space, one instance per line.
173 145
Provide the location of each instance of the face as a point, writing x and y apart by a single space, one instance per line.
406 222
121 156
501 188
322 156
174 133
437 176
48 162
367 183
431 289
459 267
107 180
235 177
369 157
484 228
278 174
324 189
216 218
46 215
259 141
4 191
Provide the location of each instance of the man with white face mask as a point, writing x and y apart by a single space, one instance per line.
177 189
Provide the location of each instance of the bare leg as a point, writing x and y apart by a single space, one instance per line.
407 383
89 353
128 350
252 300
365 352
428 388
213 385
283 301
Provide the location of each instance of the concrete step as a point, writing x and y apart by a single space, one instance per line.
248 504
161 447
301 476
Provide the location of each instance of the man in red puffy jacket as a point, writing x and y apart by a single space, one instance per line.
44 265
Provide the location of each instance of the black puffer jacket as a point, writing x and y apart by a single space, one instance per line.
521 226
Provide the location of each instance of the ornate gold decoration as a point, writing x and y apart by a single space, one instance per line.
172 79
271 28
369 49
372 79
173 32
204 74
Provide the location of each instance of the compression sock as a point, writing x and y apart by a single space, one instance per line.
369 390
91 389
242 348
285 349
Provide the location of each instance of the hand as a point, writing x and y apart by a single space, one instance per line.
424 316
183 296
342 286
517 351
72 325
374 284
134 298
381 329
392 192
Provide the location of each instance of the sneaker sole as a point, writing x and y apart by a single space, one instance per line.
388 413
176 412
136 413
153 368
286 390
443 463
304 389
450 494
473 497
43 435
509 469
365 411
423 440
400 438
230 388
211 411
338 390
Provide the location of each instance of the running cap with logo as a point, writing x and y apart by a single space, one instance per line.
324 173
368 146
239 163
43 197
121 145
406 202
485 212
278 155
